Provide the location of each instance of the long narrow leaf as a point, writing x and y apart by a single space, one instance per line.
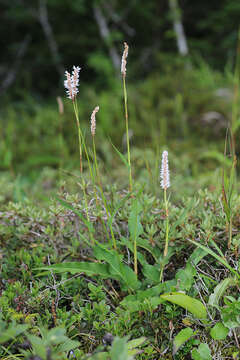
220 259
88 268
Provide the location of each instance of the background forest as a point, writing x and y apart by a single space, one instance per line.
107 251
180 72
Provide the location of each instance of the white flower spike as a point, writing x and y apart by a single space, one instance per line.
72 82
164 174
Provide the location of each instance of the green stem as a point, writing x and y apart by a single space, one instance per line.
81 143
230 233
167 223
79 134
127 134
167 233
135 257
102 195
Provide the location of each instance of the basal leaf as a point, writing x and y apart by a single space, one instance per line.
88 268
192 305
181 338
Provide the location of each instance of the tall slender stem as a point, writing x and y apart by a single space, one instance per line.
127 133
167 223
166 233
135 257
79 135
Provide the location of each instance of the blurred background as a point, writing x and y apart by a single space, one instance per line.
181 72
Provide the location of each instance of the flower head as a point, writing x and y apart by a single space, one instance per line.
164 174
124 60
93 120
71 83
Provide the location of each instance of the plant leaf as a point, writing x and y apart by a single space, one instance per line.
220 259
194 306
219 291
117 268
88 268
122 157
202 353
181 338
219 331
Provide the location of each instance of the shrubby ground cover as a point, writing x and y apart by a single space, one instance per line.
120 208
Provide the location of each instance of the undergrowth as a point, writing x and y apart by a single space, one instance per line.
99 262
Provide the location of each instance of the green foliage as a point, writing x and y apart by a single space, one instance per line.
219 331
192 305
11 332
183 336
230 312
52 343
202 353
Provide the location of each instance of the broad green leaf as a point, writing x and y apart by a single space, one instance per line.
219 331
181 338
219 291
202 353
88 268
194 306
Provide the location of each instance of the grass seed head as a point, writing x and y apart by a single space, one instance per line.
93 120
164 174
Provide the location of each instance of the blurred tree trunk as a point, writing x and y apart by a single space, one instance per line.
47 29
178 27
106 36
11 73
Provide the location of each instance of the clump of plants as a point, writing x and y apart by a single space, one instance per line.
109 273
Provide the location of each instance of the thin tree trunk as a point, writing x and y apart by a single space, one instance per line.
105 34
178 27
12 73
47 29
